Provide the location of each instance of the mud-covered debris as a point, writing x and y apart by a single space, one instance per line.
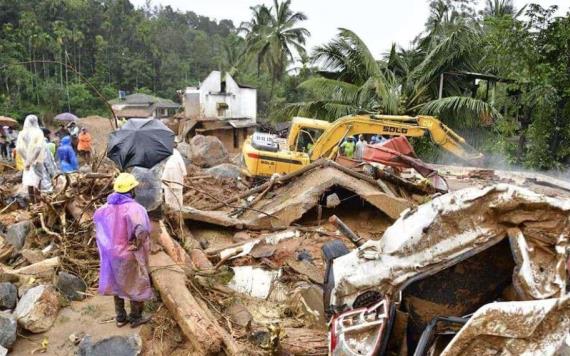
332 201
254 281
239 314
32 255
306 302
38 308
8 296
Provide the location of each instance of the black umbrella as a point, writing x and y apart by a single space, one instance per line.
140 142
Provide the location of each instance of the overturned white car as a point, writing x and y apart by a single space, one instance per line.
477 271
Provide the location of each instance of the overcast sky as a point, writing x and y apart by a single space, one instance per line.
378 22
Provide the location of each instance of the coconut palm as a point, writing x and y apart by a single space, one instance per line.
273 37
405 82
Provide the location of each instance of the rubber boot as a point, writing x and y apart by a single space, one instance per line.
136 317
120 311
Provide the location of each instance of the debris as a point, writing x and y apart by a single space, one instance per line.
71 286
241 249
224 170
169 280
130 345
8 296
239 314
306 301
32 255
332 201
241 236
17 234
207 151
44 269
307 269
8 329
3 351
532 327
300 341
253 281
38 308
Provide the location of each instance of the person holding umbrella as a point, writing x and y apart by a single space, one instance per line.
122 230
74 133
66 156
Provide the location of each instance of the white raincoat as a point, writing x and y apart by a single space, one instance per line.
172 180
30 146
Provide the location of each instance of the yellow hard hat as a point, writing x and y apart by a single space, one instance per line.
125 182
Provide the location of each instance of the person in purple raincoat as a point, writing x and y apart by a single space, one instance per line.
123 237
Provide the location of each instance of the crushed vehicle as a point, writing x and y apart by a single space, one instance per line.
472 271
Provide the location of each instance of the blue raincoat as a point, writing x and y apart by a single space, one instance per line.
66 156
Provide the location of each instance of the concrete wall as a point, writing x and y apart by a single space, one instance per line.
204 102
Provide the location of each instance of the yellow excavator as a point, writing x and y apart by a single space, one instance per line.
310 139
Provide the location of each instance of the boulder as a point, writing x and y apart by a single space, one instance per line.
38 308
8 329
224 170
207 151
115 345
16 234
69 285
8 296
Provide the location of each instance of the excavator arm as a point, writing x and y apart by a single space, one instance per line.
418 126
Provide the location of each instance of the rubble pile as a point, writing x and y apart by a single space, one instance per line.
246 268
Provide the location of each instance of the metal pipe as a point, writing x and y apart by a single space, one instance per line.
346 231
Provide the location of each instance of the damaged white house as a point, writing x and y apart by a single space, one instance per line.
221 107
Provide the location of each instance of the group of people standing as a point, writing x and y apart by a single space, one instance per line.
8 138
354 149
40 157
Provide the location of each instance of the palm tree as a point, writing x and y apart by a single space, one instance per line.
405 82
273 37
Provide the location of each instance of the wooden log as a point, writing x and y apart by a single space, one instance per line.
178 298
44 269
298 341
171 246
170 281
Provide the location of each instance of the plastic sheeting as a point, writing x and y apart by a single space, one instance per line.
123 273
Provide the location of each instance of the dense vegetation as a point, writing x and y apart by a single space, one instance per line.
59 55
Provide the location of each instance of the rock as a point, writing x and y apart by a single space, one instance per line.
115 345
38 308
224 170
3 351
16 234
8 329
332 201
69 285
207 151
8 296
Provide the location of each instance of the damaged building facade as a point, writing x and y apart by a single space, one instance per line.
220 107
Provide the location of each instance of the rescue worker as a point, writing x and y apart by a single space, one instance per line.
122 229
359 149
30 147
348 147
84 145
66 156
173 180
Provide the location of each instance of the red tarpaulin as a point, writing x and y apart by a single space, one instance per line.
399 153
